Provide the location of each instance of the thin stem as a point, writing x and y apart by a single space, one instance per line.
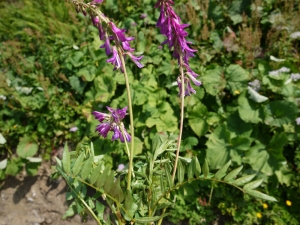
130 116
127 149
181 118
86 205
180 131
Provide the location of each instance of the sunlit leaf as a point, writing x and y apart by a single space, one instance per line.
66 164
260 195
78 164
253 184
243 180
205 168
222 171
87 167
233 174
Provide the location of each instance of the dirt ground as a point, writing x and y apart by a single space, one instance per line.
35 201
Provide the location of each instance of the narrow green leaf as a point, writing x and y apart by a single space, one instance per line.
162 184
148 219
169 179
260 195
180 171
109 183
100 210
87 168
222 171
128 200
70 211
95 173
190 171
58 162
253 184
66 159
233 174
243 180
205 168
78 164
102 178
196 166
162 148
116 191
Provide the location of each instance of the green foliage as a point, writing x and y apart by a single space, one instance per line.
151 187
53 76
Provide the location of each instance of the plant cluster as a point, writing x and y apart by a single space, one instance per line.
246 112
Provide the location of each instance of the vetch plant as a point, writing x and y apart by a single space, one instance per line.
142 193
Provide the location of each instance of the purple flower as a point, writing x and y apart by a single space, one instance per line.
95 2
135 59
106 45
115 59
121 167
143 16
73 129
112 122
188 88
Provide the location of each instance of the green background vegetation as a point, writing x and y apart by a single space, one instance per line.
53 76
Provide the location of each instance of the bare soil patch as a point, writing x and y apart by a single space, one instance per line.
36 200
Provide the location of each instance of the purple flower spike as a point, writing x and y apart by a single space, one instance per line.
112 122
115 59
170 27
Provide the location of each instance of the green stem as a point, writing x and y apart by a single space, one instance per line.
130 116
181 118
127 149
86 205
180 130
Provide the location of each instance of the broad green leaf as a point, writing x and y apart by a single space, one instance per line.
205 168
213 80
243 180
77 84
196 166
222 171
221 147
27 147
78 164
66 159
253 184
87 167
128 200
32 168
260 195
230 176
280 113
249 111
215 12
197 115
105 87
236 78
278 141
237 127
